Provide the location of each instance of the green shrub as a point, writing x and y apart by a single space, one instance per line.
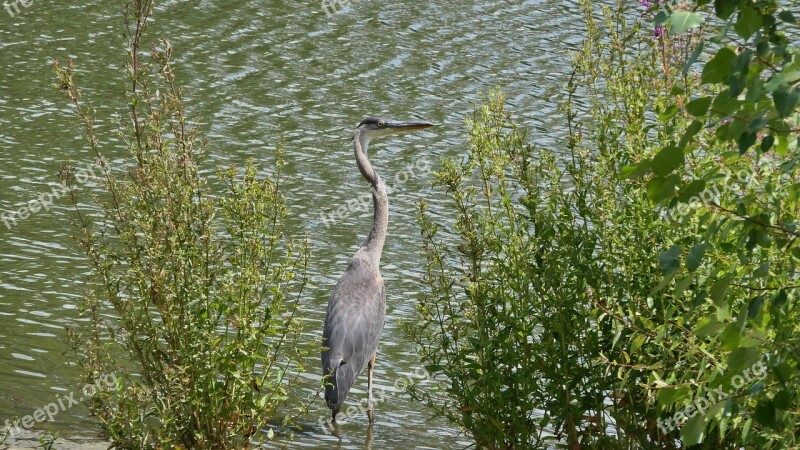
195 290
726 171
518 335
567 299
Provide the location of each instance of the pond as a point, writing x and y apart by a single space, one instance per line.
254 71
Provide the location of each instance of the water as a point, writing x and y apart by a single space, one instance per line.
254 71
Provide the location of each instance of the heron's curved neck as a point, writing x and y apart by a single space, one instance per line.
373 246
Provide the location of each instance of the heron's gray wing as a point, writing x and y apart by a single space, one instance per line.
356 313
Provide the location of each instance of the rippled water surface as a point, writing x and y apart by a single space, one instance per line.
254 71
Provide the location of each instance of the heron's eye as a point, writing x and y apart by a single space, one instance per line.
381 124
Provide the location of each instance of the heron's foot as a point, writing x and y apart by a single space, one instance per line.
333 415
370 413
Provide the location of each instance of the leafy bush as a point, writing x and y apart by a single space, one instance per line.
196 291
587 305
727 170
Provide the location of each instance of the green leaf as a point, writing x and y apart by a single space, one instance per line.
749 22
695 256
730 337
767 142
636 170
699 297
755 305
637 343
787 16
725 104
708 326
743 358
691 130
762 49
699 106
691 190
669 396
746 140
718 290
748 424
784 372
758 122
434 368
776 82
670 260
758 236
739 70
683 21
680 286
725 8
785 100
667 160
766 414
661 17
783 400
791 72
731 130
669 113
660 188
783 145
718 69
755 90
693 431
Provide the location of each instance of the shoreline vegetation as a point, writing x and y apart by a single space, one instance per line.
194 297
642 291
634 287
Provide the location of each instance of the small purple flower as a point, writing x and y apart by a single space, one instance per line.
659 31
645 3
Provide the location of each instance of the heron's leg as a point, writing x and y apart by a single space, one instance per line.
370 367
369 439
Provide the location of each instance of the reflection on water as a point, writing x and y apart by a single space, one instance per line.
255 71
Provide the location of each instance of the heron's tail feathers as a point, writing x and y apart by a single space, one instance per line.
334 397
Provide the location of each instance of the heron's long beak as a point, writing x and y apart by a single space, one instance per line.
399 127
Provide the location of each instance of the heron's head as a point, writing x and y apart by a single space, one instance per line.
373 127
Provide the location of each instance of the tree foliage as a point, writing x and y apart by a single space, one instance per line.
639 291
732 125
194 290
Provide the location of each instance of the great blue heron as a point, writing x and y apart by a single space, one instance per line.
357 307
